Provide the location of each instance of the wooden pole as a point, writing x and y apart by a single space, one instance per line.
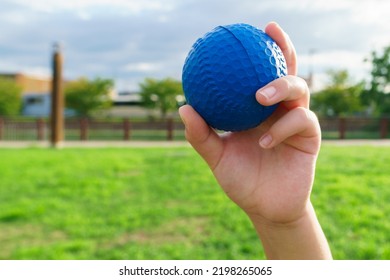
57 100
1 128
126 129
84 129
342 128
384 127
40 129
170 129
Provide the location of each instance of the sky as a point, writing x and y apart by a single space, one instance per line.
129 40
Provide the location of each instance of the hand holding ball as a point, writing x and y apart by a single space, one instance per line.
223 71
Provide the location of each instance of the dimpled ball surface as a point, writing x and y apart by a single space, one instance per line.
223 71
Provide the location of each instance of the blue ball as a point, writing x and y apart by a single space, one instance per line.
223 71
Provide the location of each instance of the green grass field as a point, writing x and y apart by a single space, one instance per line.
163 203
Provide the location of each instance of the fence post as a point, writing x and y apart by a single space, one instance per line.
57 100
40 129
384 127
1 128
342 128
126 129
170 129
84 129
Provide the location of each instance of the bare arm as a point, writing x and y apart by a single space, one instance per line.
269 170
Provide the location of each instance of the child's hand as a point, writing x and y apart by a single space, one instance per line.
269 170
272 180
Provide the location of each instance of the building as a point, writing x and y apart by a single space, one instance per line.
36 104
123 98
29 83
35 93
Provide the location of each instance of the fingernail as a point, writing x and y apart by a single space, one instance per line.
268 92
265 141
182 119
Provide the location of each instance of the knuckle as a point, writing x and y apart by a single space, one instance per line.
296 85
305 115
287 83
311 119
303 84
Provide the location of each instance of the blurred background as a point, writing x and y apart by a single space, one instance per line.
122 81
129 40
125 48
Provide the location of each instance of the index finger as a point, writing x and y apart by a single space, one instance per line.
291 90
283 41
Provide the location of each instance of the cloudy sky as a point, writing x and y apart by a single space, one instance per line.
128 40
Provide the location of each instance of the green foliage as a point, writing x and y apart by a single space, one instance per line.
377 94
163 203
163 95
339 98
10 97
88 97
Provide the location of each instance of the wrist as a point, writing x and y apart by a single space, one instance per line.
299 238
276 221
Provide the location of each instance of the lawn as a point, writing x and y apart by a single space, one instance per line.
163 203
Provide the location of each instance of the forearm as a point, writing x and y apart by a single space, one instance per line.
301 239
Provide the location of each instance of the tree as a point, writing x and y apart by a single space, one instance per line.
161 94
339 98
10 97
377 93
87 97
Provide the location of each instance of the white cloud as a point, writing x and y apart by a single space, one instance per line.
323 6
320 63
143 67
14 17
333 59
131 6
371 12
38 72
129 40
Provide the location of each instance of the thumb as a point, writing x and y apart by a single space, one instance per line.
201 136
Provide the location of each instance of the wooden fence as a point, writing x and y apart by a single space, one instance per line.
87 129
171 129
355 128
